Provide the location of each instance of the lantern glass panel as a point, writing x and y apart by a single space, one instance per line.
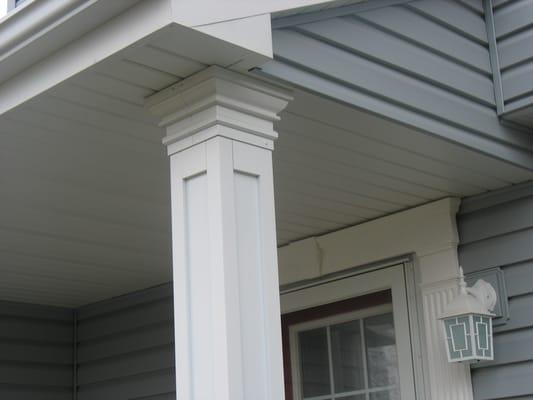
483 335
452 353
459 337
468 350
458 332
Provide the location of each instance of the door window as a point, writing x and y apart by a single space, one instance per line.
346 356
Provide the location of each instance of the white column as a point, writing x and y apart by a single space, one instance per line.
226 301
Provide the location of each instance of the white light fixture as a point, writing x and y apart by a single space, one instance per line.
467 322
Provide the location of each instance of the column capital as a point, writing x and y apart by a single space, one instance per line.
218 102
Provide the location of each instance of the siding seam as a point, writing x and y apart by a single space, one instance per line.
516 65
292 20
446 25
105 382
520 96
127 354
515 32
423 46
469 7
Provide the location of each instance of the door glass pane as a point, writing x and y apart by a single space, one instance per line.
382 358
393 394
347 356
314 362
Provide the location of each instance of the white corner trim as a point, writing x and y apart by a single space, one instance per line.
202 12
424 230
257 36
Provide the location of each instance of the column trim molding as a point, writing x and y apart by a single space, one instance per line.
219 102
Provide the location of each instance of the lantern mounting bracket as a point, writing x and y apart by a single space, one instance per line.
484 293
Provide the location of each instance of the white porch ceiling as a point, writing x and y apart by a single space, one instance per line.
84 178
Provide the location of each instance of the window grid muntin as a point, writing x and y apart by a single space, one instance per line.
333 321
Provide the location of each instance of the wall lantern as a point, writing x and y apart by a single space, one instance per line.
467 322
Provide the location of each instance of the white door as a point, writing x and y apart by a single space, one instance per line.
349 339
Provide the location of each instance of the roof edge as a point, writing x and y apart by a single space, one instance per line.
26 31
32 19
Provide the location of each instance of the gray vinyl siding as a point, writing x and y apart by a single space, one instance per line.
35 352
496 230
126 347
424 63
513 22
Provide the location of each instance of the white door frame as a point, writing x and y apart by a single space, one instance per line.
358 284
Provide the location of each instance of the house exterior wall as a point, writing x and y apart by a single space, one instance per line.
126 347
497 231
424 63
36 355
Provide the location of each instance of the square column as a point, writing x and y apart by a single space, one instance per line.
226 292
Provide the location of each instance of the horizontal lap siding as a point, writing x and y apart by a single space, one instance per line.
425 63
126 348
500 235
513 23
36 357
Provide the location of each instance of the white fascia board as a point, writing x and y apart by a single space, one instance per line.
258 36
39 27
195 13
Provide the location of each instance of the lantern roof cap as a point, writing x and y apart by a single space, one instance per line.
478 299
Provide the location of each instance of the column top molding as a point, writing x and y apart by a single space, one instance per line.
218 102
